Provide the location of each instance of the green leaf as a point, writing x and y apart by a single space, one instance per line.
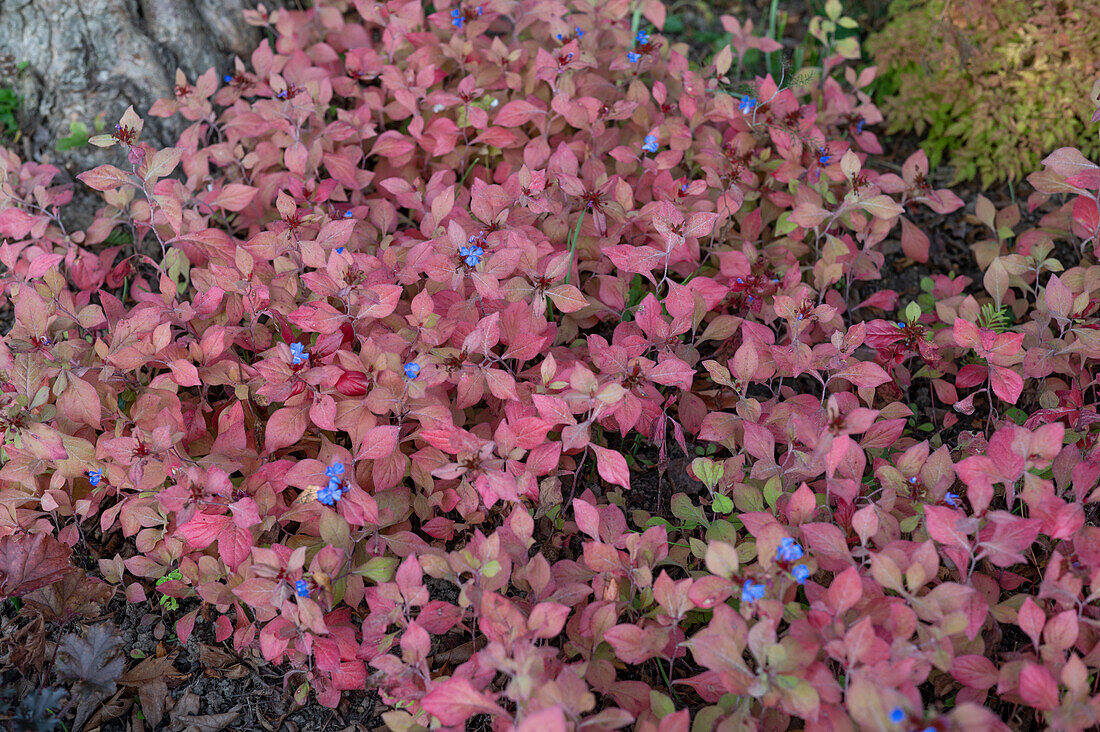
78 138
912 312
721 504
773 489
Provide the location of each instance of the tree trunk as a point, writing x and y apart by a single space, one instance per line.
71 61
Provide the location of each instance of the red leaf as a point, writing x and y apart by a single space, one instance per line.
863 374
31 561
234 197
317 316
1031 620
567 298
845 590
203 529
914 242
974 671
1067 161
636 645
353 383
1006 383
106 178
456 700
1038 687
612 466
942 523
547 619
1006 537
518 112
286 427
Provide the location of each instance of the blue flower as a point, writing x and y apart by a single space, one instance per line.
650 144
752 591
412 370
825 157
789 550
747 105
227 79
457 18
897 715
335 470
580 33
641 39
801 573
479 11
339 250
302 588
859 126
913 480
684 188
633 57
472 255
558 36
348 214
94 476
901 325
331 493
951 499
298 354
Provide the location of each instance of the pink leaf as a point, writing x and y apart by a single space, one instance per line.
845 590
1038 687
455 700
1031 620
636 645
914 242
612 466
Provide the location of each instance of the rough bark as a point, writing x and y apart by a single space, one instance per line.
89 57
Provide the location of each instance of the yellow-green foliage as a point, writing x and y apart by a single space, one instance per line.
994 84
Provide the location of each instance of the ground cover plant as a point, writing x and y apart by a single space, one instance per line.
991 87
367 370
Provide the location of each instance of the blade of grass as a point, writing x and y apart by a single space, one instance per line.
573 245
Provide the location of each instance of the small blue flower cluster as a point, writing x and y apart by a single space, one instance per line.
301 587
298 354
951 499
824 157
650 144
579 33
642 39
458 16
752 591
898 715
331 493
412 370
94 476
747 104
472 254
791 551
